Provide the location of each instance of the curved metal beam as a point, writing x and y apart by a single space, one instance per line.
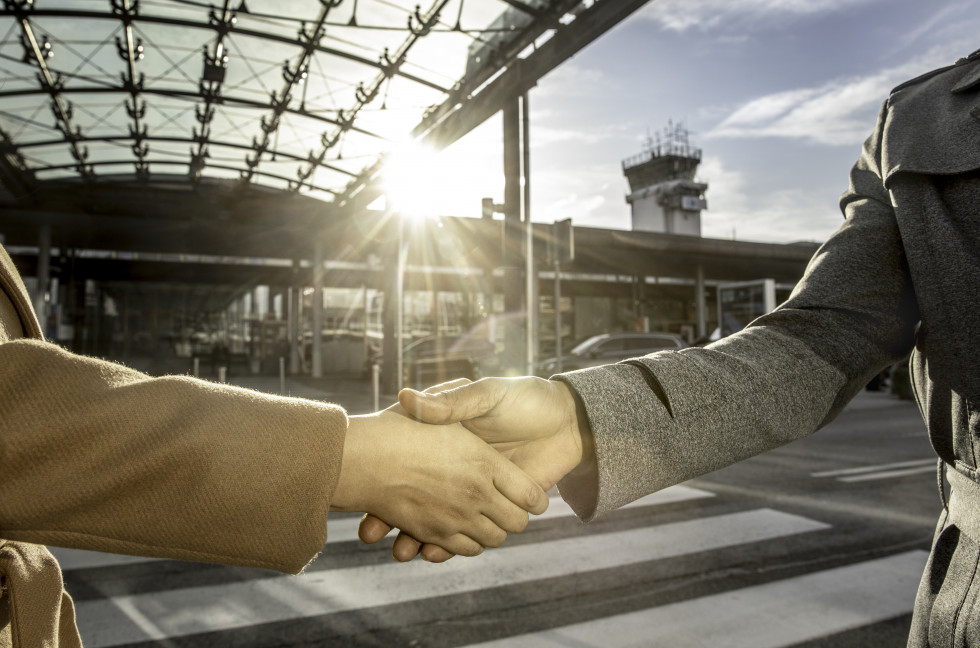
184 94
37 53
172 140
180 22
365 95
103 163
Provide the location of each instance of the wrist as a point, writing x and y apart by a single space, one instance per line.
346 494
574 428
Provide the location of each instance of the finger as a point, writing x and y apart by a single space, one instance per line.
514 484
506 515
488 533
372 529
405 548
450 384
462 545
452 405
434 553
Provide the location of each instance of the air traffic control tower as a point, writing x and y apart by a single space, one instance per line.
663 195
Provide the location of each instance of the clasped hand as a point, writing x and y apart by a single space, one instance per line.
530 421
437 483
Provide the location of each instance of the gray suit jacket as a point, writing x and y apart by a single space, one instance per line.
902 273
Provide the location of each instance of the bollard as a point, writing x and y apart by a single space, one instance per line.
282 376
197 367
222 374
376 380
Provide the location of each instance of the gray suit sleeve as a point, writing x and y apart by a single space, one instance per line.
659 420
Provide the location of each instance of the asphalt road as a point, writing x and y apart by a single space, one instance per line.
819 543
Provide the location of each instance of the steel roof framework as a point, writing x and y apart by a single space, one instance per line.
297 96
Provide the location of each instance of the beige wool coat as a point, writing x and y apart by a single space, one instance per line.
94 455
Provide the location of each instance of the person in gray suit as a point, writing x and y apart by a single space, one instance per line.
901 275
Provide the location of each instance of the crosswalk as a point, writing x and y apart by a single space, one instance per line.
778 612
877 472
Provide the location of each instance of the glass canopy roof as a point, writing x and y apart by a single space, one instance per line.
294 95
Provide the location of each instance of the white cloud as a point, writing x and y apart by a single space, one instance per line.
542 134
737 210
706 15
941 24
835 113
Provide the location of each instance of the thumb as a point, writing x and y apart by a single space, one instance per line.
450 406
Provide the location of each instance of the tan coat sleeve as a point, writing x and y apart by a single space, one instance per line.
94 455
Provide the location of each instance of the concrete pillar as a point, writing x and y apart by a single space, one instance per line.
125 326
390 382
294 329
699 304
532 305
270 303
640 323
514 356
317 310
43 273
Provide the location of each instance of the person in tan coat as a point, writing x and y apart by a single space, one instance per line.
97 456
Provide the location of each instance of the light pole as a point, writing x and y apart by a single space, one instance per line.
400 304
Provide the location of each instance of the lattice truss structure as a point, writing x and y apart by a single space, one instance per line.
301 96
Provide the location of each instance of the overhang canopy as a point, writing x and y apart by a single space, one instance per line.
215 113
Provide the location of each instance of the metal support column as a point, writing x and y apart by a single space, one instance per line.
390 319
294 329
699 304
317 310
530 273
513 289
43 274
557 298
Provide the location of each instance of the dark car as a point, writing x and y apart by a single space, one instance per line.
434 360
607 348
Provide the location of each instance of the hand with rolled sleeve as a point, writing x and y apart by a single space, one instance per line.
437 483
531 421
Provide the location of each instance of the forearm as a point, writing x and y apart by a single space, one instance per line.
97 456
669 417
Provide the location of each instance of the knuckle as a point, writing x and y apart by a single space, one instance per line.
474 492
473 551
520 523
496 539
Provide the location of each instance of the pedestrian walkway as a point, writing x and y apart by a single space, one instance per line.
225 606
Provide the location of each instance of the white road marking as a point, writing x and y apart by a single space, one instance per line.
876 468
240 604
889 474
774 615
345 529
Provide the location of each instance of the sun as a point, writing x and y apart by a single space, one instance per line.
422 182
411 172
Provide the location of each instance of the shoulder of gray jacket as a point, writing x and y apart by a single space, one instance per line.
972 59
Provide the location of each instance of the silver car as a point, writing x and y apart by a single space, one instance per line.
607 348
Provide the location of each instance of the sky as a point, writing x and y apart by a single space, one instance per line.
778 94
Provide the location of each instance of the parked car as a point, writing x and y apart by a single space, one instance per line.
433 360
607 348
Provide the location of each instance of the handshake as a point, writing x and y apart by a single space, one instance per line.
458 466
